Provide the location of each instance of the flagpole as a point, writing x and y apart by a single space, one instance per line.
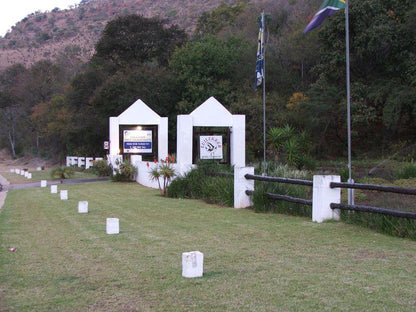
347 48
264 99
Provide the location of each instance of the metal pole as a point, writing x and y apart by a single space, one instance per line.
347 46
264 98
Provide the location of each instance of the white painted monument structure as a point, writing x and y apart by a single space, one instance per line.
138 131
211 114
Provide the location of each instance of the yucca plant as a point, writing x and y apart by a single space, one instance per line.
164 171
62 173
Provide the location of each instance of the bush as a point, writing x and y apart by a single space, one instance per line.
101 168
408 171
125 172
199 184
62 173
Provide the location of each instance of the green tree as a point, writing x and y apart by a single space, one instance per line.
134 39
210 67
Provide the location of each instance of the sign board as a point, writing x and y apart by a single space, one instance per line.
210 147
106 145
137 141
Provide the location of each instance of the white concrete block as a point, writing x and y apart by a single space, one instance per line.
22 172
83 207
54 189
192 264
241 185
29 176
17 171
112 226
322 196
64 194
43 183
12 170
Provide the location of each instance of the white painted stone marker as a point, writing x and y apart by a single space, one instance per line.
43 183
83 207
54 189
17 171
12 170
112 226
192 264
64 195
29 176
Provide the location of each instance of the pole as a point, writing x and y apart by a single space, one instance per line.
264 99
347 48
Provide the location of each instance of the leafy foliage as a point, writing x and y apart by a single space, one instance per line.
62 173
200 184
165 171
124 173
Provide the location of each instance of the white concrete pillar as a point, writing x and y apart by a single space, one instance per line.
43 183
238 141
323 196
162 139
192 264
184 142
17 171
241 184
29 176
114 136
112 226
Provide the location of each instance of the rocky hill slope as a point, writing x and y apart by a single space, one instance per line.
47 35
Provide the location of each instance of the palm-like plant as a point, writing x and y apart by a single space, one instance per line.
290 146
165 171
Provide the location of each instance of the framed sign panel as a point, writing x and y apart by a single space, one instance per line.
137 141
210 147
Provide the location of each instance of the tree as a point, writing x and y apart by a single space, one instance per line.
383 54
134 39
209 67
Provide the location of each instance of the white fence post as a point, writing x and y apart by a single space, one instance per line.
241 184
89 162
323 195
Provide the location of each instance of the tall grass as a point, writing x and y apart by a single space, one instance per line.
262 203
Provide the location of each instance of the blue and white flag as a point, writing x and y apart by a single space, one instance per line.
260 56
327 8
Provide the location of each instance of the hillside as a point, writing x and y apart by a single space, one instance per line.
46 35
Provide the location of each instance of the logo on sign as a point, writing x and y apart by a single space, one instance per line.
211 147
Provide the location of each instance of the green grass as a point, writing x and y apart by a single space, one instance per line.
253 262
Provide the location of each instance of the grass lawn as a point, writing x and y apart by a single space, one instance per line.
37 176
65 261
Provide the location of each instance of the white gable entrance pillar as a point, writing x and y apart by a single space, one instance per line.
211 113
133 118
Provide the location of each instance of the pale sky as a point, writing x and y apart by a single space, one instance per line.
13 11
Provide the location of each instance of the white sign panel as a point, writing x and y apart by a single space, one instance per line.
137 141
210 147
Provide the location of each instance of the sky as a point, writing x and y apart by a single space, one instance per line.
13 11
